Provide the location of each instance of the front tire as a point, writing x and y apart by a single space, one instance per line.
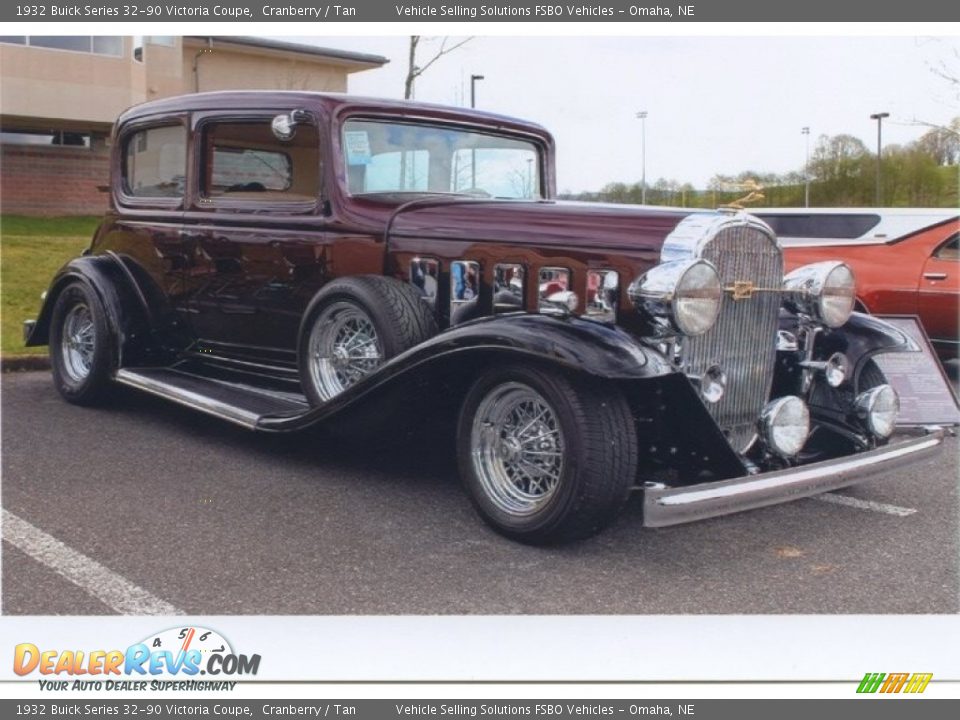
80 351
546 458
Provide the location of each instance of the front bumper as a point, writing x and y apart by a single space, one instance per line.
664 506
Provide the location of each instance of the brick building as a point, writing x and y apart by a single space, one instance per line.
59 96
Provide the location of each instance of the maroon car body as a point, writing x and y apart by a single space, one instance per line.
286 259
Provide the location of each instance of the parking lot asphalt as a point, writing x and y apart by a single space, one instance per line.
211 519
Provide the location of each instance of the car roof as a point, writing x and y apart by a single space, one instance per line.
851 226
332 102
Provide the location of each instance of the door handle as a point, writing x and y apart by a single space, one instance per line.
935 276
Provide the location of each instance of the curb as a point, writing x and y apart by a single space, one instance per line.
24 363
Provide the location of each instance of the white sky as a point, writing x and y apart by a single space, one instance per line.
715 104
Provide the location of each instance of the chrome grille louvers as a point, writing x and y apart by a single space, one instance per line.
743 342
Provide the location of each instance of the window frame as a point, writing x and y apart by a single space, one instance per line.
198 201
127 134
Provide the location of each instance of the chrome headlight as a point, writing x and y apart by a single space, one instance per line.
682 295
825 291
878 409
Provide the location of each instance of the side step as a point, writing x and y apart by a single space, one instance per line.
242 405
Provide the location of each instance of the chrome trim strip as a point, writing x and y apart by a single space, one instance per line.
187 398
663 506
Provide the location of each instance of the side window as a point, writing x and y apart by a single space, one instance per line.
155 162
950 250
246 161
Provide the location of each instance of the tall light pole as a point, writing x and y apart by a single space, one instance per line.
473 89
879 118
806 170
643 156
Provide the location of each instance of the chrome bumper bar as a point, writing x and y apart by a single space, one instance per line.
664 506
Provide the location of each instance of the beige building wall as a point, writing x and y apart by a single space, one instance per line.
225 68
57 106
42 84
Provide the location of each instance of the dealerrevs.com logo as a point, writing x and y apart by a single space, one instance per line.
894 682
182 653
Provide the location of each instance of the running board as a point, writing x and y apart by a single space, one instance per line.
240 404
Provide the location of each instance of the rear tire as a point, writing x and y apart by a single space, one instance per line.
80 346
354 326
546 458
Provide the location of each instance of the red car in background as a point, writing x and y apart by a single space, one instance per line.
906 260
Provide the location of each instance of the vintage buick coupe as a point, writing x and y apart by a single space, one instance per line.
285 259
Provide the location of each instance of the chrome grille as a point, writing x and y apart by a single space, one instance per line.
743 341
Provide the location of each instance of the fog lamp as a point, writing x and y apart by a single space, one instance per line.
878 409
785 425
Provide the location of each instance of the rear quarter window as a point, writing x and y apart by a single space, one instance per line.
155 162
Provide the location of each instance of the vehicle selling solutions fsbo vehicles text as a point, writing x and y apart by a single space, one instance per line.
543 11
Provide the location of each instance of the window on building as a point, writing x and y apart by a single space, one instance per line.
245 161
53 137
155 162
111 45
165 40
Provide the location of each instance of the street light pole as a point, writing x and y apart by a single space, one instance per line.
879 118
806 170
473 89
643 156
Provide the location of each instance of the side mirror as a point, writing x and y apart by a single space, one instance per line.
284 126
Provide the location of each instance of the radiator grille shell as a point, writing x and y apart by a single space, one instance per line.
743 342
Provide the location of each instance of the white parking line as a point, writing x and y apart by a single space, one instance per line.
865 504
112 589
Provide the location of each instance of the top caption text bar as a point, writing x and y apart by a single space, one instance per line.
621 11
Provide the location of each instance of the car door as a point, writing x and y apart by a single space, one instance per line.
253 221
150 187
939 308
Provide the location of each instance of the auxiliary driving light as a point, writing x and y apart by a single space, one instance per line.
878 409
836 370
785 425
713 384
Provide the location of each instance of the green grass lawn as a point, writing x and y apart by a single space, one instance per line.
31 251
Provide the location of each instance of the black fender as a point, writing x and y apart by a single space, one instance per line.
128 314
862 337
569 343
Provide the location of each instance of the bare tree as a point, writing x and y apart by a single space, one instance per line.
414 70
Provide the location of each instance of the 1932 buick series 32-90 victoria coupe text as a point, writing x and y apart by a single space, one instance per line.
278 259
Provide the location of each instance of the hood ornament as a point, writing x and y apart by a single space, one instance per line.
754 194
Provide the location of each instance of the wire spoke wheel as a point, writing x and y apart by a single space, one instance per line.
517 448
78 342
343 349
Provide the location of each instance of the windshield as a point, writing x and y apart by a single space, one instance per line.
394 157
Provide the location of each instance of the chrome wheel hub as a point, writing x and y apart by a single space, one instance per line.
78 342
517 448
343 348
